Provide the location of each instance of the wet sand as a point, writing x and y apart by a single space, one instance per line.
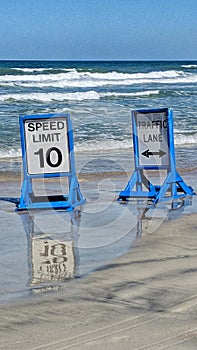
143 297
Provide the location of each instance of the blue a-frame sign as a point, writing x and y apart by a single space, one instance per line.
48 152
153 143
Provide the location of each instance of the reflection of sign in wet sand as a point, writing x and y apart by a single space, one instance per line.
52 260
52 247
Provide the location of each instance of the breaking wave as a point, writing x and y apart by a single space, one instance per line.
74 96
73 78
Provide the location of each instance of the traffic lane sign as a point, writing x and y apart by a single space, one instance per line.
47 149
152 139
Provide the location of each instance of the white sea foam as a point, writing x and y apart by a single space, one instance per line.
183 140
113 145
82 147
75 96
105 145
128 94
189 66
10 153
52 96
32 70
73 78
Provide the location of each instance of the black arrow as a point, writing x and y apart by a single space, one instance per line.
147 153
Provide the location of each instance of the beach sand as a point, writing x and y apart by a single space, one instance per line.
142 296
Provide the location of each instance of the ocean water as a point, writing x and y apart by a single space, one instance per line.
99 96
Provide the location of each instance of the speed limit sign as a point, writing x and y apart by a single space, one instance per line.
47 148
48 152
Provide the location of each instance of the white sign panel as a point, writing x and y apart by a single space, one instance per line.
152 133
47 146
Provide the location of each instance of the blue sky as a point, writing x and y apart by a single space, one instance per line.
98 29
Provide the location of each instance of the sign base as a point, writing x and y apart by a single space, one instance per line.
29 201
139 186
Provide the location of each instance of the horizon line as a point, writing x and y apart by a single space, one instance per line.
97 60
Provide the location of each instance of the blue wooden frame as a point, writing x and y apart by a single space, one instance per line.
173 187
65 201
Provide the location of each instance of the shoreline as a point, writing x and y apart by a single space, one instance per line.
120 160
17 176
